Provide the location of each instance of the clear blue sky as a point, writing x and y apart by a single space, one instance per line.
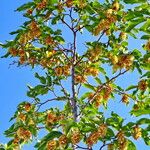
13 80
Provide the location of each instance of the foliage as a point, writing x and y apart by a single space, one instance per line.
80 123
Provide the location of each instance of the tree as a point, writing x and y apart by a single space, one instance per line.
90 70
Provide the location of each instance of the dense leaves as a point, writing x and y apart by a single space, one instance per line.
82 76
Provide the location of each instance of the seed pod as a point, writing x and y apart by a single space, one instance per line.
115 6
142 85
75 137
63 140
51 145
137 132
125 99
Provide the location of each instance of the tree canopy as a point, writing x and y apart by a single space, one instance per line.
83 48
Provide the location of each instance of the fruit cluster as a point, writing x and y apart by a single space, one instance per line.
122 141
147 45
62 70
105 24
137 132
33 32
121 61
125 99
23 134
100 133
41 5
142 85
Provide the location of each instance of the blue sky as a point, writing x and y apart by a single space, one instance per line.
13 80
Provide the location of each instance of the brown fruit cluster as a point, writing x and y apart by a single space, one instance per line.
69 3
80 79
123 61
122 141
34 32
100 133
41 5
147 46
125 99
62 70
97 99
23 134
21 117
51 145
115 6
13 51
75 137
49 41
107 91
91 71
51 118
27 107
142 85
93 54
123 36
105 24
62 140
110 146
137 132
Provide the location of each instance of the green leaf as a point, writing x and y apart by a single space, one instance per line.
145 26
131 145
98 80
131 87
41 78
115 121
145 37
89 86
134 1
140 112
143 121
85 95
26 6
102 70
134 23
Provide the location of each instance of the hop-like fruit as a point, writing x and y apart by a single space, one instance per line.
102 130
69 3
125 99
110 146
120 137
123 145
92 139
27 107
75 137
51 145
80 79
137 132
147 46
115 6
23 134
63 140
13 51
59 71
51 118
21 117
123 36
142 85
